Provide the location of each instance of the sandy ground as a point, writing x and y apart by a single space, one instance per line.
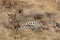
15 12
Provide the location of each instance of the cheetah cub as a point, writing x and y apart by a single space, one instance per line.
13 23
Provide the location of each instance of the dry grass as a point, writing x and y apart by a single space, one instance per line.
24 10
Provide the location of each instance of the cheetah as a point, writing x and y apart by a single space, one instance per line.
13 23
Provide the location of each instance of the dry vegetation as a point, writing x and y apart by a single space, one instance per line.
15 17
